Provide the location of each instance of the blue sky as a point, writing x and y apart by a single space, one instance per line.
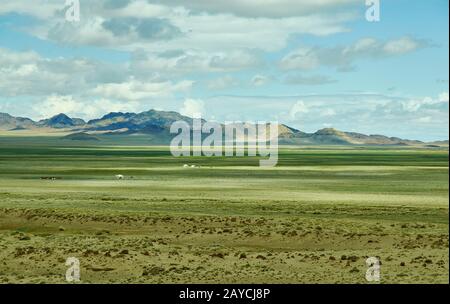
309 64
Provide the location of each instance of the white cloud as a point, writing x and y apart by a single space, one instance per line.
301 59
27 73
56 104
135 89
193 108
443 97
343 58
212 32
254 8
184 62
418 104
212 41
39 8
137 8
298 108
401 46
11 58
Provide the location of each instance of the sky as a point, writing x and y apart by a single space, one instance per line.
309 64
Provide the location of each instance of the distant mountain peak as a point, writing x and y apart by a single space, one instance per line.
9 122
329 131
61 121
61 117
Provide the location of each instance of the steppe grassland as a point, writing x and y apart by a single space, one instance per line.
313 219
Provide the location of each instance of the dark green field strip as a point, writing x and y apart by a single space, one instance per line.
74 152
144 170
159 158
366 154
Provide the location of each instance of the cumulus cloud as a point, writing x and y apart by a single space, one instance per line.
27 73
443 97
135 89
298 108
130 25
205 36
145 28
39 8
234 60
56 104
180 62
343 57
254 8
301 59
194 108
401 46
421 104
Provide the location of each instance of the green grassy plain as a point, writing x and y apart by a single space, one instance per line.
315 218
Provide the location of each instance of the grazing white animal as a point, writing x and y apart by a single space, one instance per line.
193 166
120 176
185 166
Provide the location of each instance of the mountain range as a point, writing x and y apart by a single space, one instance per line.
157 124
